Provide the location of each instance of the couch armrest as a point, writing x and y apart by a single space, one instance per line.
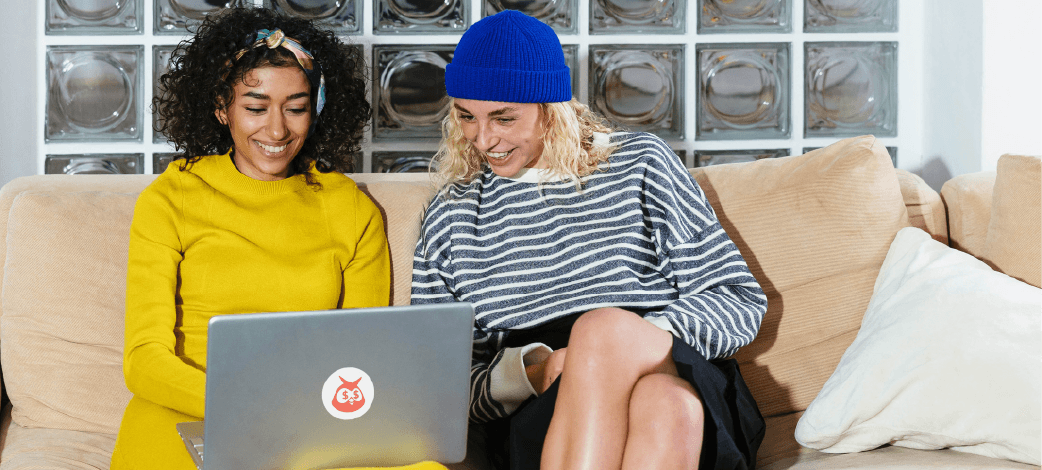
967 200
924 206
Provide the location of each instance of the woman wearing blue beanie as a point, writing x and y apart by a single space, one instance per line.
607 294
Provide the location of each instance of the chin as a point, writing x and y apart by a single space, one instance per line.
506 173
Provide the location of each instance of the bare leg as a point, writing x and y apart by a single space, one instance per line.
609 350
665 426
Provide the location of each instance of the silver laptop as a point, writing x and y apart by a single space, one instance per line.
336 388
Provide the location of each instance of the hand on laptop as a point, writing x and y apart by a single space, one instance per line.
543 374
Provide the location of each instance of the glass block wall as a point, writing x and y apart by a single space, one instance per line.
721 80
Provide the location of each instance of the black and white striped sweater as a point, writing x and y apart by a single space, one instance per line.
640 235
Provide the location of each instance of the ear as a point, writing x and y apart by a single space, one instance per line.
222 115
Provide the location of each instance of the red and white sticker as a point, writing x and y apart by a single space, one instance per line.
348 393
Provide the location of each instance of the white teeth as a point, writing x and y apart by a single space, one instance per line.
271 149
497 155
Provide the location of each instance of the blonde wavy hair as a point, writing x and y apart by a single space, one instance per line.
568 147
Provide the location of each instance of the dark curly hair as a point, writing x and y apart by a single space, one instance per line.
202 76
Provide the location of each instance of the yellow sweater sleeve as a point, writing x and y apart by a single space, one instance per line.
367 276
151 367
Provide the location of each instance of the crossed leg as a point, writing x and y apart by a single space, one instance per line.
620 403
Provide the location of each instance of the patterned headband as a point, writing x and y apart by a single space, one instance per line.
276 38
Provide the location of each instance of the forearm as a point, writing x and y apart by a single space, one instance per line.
154 373
500 386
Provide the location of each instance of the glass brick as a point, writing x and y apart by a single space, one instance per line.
161 160
559 14
402 162
743 91
177 16
420 16
571 59
721 157
340 16
637 16
850 89
357 162
95 164
160 65
849 16
94 17
682 154
639 87
891 150
94 93
409 91
744 16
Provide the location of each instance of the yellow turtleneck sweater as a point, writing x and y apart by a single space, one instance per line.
211 241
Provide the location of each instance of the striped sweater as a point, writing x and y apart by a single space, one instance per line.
639 235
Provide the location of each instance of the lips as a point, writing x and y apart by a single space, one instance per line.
271 148
497 155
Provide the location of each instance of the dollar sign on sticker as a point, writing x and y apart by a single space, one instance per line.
348 396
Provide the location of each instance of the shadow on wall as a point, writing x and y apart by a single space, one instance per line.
935 172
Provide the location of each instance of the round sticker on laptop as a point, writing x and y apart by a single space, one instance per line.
348 393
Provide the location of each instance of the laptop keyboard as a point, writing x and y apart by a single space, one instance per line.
197 442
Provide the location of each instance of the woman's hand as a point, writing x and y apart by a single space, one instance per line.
542 374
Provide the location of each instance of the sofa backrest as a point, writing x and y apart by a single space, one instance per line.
814 229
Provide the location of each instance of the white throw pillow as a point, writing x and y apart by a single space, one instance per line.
949 355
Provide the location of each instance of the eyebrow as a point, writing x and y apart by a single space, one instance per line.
498 112
262 96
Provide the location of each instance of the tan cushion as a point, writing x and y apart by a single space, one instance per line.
814 230
924 206
62 337
1014 242
967 202
33 448
14 188
402 205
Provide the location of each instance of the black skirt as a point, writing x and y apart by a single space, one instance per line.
734 427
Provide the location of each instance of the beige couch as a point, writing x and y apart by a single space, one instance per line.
814 229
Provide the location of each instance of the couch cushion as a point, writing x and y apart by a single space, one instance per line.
35 448
967 203
402 205
1014 241
814 230
924 206
61 183
63 290
948 355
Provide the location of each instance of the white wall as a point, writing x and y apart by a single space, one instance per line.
1011 120
982 80
18 87
952 64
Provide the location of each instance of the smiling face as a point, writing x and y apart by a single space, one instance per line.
509 135
268 118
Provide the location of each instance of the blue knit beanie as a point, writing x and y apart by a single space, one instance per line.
509 57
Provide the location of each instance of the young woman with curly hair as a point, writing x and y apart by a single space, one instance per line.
254 216
607 295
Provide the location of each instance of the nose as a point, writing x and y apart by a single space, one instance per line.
485 139
277 128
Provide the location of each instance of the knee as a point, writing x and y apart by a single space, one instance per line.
667 405
603 329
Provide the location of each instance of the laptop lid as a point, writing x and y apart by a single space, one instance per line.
338 388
